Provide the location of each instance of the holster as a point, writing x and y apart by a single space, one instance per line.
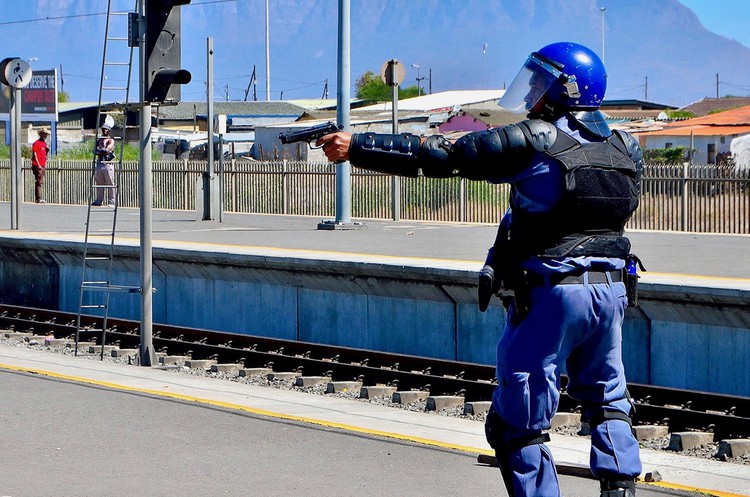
492 276
630 277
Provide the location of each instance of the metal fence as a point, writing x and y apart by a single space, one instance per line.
700 198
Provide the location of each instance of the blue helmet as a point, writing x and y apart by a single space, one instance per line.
560 77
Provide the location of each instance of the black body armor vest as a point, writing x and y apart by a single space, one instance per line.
601 192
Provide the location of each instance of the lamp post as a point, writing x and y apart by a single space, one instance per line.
419 80
484 50
602 10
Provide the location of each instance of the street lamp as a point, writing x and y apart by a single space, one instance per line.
419 80
484 50
602 9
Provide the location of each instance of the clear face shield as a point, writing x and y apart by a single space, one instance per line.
529 86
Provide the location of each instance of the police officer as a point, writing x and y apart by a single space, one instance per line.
561 251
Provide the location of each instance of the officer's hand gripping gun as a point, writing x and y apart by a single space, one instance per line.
311 134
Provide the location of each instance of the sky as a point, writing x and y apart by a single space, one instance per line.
34 30
730 18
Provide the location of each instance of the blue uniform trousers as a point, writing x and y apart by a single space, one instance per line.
579 325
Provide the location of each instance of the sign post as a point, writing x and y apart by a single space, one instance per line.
15 73
392 73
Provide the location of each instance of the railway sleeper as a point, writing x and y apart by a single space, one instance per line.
733 448
250 372
232 367
204 364
97 349
343 386
124 352
311 381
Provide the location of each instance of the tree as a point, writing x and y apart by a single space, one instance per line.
62 96
672 155
370 87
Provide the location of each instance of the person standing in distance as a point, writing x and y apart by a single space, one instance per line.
105 169
561 252
39 152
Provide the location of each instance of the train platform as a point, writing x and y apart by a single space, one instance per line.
687 258
80 426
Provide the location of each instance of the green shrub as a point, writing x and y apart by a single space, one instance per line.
85 151
672 155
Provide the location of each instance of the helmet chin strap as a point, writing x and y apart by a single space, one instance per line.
547 113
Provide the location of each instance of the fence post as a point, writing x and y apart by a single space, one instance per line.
284 188
684 208
462 200
58 182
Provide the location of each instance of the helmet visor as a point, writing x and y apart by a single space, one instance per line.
529 86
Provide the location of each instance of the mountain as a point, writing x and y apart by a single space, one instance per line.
659 41
659 44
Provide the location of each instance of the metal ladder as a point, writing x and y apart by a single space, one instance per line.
114 101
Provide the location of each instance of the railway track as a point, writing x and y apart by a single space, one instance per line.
681 410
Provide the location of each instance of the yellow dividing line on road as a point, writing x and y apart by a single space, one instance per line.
302 419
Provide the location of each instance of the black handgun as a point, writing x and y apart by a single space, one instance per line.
311 134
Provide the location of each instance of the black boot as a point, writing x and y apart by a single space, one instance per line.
618 488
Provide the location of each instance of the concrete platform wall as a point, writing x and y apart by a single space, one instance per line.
696 338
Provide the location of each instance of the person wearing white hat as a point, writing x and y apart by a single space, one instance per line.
105 169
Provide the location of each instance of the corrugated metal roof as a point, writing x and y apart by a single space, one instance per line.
708 105
632 115
186 110
442 101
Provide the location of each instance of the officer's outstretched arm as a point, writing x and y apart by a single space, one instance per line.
492 154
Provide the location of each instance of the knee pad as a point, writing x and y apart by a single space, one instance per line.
596 414
495 429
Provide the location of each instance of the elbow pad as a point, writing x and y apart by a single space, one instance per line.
390 154
435 159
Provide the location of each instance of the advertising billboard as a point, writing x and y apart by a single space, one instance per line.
38 99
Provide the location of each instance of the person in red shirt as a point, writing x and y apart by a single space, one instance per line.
39 151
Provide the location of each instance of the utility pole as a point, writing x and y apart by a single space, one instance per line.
717 85
419 80
645 93
251 84
602 10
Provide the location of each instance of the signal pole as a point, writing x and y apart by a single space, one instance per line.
145 194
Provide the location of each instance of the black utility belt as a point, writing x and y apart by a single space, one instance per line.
533 279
